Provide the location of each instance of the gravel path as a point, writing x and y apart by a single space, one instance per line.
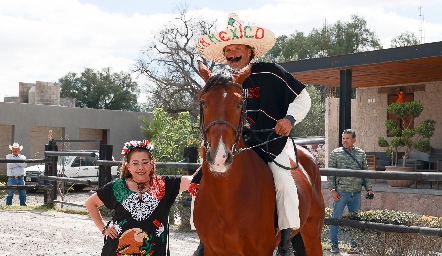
42 233
56 233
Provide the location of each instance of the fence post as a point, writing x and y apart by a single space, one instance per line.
104 172
51 170
191 156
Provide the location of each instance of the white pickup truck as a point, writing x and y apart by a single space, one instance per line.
79 167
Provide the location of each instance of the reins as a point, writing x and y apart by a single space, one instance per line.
238 131
239 151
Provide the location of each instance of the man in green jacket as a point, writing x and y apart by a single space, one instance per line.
346 191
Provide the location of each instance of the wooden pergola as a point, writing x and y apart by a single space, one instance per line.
395 66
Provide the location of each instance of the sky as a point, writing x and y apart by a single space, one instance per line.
46 39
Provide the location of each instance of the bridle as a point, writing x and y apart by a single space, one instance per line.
238 129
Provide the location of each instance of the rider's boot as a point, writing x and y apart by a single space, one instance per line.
285 246
200 250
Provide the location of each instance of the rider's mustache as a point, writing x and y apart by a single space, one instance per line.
234 59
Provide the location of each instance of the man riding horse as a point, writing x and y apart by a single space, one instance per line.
275 102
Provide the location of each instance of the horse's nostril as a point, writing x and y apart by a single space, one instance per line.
209 157
229 158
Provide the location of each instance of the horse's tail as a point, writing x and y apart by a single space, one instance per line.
298 245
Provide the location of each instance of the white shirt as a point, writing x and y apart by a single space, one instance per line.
15 169
300 107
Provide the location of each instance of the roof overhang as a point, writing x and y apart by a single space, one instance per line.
402 65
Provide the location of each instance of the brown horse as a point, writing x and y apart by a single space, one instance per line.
235 210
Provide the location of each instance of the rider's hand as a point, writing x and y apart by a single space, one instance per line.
193 189
283 127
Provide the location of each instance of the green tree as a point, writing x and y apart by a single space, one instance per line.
351 37
291 48
335 39
405 39
170 134
101 89
314 123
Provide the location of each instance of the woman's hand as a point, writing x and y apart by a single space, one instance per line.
111 232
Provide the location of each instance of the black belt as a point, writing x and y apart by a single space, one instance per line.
15 177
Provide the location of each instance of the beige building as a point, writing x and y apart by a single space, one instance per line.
369 112
38 117
378 77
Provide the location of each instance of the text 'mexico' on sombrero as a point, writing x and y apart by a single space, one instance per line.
211 46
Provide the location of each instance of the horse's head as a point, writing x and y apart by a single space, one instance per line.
222 115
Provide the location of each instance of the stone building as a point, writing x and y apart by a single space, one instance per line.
378 76
39 114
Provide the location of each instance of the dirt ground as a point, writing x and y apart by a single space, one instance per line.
41 233
56 233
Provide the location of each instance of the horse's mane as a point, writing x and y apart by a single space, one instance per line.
218 79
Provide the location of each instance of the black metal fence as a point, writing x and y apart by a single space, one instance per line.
105 162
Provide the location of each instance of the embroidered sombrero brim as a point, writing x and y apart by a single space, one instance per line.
211 46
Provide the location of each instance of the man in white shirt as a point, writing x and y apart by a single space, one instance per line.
16 173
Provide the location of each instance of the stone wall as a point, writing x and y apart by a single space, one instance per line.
421 200
369 112
40 136
5 141
91 134
371 109
44 93
23 91
30 124
47 93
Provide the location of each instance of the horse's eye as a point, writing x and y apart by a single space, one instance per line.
240 104
203 104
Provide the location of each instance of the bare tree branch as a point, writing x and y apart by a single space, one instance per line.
170 64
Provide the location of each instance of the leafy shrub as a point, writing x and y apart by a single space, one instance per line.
384 216
3 178
170 134
375 242
405 135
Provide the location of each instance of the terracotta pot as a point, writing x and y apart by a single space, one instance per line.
400 183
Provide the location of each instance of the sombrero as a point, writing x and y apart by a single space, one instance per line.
15 145
211 46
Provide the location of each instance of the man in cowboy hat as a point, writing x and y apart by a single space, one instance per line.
16 173
275 100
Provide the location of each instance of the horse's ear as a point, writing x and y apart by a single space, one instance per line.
204 71
240 76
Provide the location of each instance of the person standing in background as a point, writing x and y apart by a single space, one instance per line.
346 191
15 173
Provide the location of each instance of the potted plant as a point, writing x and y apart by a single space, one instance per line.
407 135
